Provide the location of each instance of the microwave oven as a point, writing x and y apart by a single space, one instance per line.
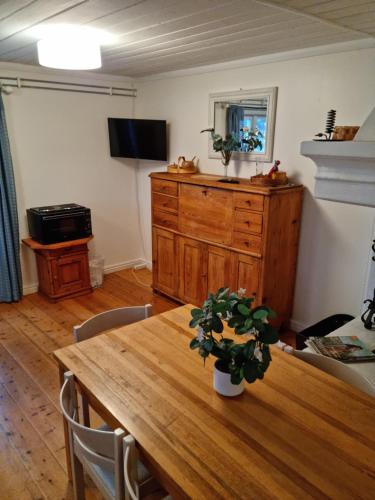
57 223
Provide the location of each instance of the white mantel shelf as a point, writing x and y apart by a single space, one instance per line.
346 170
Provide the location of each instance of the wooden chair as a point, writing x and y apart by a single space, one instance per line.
135 485
114 318
95 451
332 366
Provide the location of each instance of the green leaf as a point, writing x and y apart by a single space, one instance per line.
235 377
197 313
235 349
259 325
203 352
217 324
226 341
260 314
248 350
208 345
220 307
250 371
244 310
270 335
234 321
240 330
194 344
194 322
248 323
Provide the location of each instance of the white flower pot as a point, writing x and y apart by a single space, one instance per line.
224 386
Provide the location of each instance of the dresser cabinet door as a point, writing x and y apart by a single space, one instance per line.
164 261
206 213
70 273
192 273
246 273
218 269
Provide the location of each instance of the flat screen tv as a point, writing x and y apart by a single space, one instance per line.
143 139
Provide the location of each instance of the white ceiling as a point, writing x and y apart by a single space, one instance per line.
154 36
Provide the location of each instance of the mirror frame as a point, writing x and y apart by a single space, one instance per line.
271 94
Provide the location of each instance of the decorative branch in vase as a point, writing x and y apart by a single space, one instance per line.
248 360
230 144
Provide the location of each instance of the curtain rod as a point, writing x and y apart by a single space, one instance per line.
27 83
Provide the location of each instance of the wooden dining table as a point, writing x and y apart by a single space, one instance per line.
298 433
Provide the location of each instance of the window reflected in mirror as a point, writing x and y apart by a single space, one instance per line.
243 113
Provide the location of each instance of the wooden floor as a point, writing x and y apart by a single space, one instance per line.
32 454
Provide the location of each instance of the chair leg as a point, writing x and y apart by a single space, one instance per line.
85 411
78 479
77 472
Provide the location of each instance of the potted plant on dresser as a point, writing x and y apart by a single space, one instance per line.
226 146
235 362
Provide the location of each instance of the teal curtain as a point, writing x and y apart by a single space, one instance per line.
235 116
10 267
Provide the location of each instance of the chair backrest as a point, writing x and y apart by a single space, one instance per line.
130 468
92 446
113 318
338 369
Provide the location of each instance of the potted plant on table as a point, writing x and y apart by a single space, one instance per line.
235 362
230 144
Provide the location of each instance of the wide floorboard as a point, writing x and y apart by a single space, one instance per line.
32 452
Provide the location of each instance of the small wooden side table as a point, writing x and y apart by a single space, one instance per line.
63 268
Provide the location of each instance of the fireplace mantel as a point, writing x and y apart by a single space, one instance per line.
346 170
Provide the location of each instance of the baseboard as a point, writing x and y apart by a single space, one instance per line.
297 326
112 268
28 289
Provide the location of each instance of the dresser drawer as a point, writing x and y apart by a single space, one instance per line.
248 242
249 201
164 202
164 187
248 222
165 219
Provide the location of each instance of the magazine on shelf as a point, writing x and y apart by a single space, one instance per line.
348 349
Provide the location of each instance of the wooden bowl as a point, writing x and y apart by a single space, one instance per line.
176 169
264 180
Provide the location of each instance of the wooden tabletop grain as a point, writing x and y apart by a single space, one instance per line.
299 433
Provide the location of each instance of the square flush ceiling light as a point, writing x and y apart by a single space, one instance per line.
70 47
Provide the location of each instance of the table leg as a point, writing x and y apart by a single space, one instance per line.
66 431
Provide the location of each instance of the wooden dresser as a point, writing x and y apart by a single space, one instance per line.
207 234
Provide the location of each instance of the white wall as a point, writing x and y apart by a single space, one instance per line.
59 143
335 238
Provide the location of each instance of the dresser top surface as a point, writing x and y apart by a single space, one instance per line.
209 180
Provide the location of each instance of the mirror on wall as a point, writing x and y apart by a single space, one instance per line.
241 112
